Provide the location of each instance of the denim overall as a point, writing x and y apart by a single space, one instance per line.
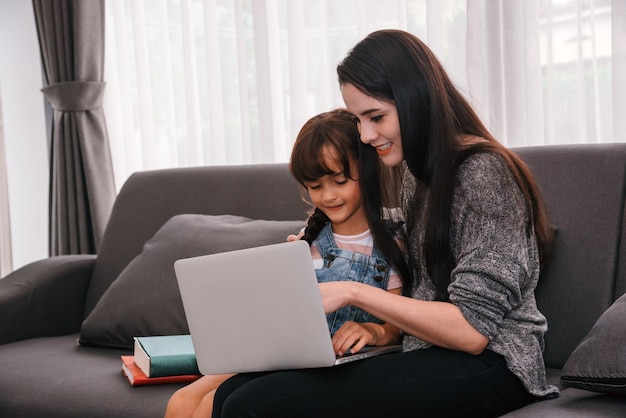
342 265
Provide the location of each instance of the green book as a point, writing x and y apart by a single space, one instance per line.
165 355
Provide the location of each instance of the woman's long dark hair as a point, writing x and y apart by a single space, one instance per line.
439 130
337 131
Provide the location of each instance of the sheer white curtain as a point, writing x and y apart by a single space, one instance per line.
6 265
194 82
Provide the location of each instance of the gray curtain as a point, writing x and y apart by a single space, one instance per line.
82 188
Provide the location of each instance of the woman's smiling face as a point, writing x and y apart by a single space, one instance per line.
378 123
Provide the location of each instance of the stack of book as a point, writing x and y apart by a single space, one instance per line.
161 359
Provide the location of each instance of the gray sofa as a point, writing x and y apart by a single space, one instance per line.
48 307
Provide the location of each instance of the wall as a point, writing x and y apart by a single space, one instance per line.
24 132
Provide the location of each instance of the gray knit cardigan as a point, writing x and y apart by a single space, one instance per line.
496 264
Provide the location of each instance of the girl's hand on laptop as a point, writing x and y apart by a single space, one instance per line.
292 238
353 336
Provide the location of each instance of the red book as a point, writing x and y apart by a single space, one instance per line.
138 378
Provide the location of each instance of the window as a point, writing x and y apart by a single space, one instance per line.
194 82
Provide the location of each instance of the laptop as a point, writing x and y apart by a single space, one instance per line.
258 309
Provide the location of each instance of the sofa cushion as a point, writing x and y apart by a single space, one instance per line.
149 198
598 363
145 300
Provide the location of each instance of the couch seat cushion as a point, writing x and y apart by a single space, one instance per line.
54 377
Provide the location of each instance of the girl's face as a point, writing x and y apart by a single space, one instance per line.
339 197
378 123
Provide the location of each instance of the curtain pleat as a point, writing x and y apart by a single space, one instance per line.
168 111
243 83
299 111
213 64
269 80
195 150
142 78
82 189
6 258
618 65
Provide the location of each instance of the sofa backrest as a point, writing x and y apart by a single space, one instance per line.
148 199
584 188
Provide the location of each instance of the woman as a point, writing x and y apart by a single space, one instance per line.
477 235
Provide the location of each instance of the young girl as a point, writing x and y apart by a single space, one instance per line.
324 161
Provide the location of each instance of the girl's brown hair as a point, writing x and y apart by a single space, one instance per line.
336 131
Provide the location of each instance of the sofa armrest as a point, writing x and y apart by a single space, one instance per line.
44 298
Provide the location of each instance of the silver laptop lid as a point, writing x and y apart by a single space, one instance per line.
257 309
